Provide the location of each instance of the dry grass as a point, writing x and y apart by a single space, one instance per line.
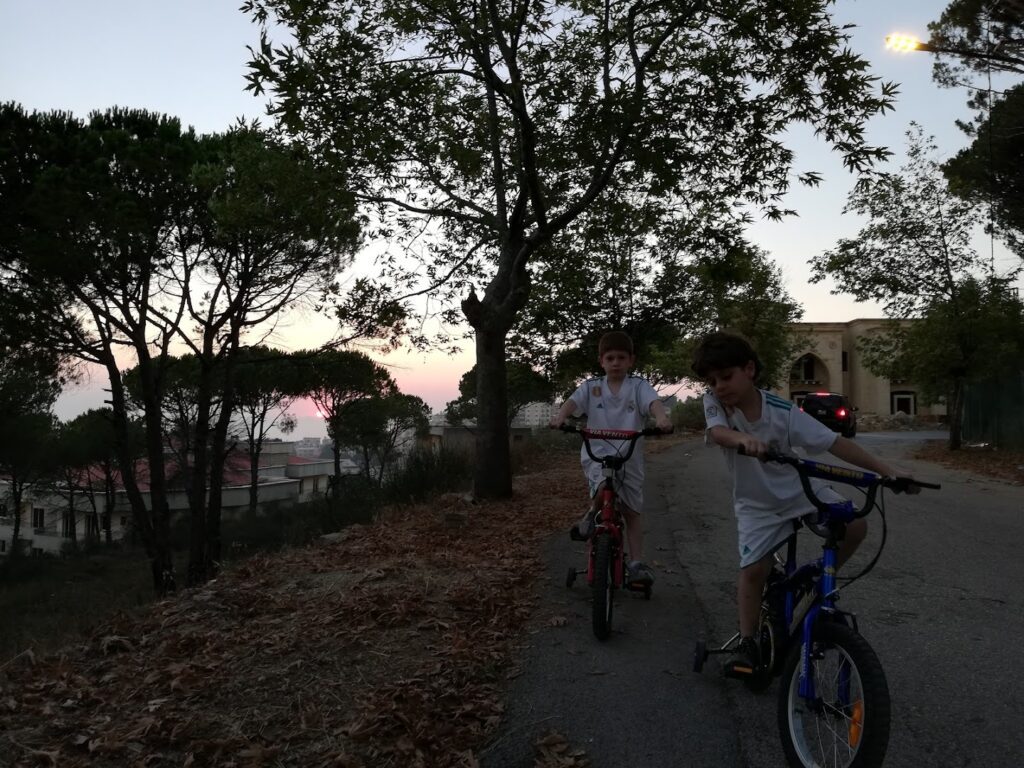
991 462
390 646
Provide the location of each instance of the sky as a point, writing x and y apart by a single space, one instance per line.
188 58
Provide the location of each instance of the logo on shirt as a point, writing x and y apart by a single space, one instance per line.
712 411
596 391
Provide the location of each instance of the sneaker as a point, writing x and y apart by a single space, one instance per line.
638 573
744 661
584 528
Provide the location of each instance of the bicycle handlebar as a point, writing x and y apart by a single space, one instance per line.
807 468
611 434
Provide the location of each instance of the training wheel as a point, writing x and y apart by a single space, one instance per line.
570 577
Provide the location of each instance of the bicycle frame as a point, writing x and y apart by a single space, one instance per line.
610 521
834 517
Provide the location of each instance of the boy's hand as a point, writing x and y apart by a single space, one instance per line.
751 445
556 421
910 489
664 424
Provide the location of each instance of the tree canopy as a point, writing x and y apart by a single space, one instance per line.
990 170
475 134
914 255
987 36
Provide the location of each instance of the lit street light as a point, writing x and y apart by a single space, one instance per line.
907 43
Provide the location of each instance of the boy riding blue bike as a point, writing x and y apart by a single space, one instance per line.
767 497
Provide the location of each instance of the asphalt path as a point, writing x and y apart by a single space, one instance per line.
942 609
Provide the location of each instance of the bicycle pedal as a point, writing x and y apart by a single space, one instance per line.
737 672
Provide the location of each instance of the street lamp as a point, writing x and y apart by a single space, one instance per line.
907 43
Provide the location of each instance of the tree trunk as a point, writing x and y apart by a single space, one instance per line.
254 475
493 467
72 518
16 497
335 480
108 503
153 524
956 415
219 453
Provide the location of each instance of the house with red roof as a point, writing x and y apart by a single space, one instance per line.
47 527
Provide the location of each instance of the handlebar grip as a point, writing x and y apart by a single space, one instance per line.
908 485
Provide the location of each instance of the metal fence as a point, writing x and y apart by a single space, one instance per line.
994 412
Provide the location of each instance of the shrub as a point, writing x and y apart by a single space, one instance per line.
689 414
427 471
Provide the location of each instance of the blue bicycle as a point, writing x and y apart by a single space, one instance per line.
834 705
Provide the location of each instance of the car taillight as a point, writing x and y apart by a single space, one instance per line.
841 413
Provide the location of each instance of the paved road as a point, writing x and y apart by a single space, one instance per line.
943 610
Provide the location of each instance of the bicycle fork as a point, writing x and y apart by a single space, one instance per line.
826 588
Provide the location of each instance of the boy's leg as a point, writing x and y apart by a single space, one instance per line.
635 543
749 590
855 533
634 533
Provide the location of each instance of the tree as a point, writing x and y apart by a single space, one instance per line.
93 215
525 385
276 234
264 391
915 256
991 170
987 316
476 133
333 379
91 462
664 292
981 36
30 381
26 458
380 427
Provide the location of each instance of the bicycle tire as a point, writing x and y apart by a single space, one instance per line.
815 738
602 604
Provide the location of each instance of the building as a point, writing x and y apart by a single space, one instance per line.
283 478
536 414
46 525
311 447
462 437
831 362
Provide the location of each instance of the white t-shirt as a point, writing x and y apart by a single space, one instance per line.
766 495
625 410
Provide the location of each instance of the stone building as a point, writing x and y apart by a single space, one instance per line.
830 362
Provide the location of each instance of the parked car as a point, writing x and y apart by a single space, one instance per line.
833 410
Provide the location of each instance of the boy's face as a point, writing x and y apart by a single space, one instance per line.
730 385
616 363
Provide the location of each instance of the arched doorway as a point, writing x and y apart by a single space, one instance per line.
808 374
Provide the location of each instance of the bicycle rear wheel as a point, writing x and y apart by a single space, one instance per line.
847 724
603 586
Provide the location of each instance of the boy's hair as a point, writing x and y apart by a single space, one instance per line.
722 349
615 341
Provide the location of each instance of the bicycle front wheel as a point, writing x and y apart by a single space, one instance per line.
846 725
604 584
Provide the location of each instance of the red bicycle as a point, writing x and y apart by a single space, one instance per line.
606 571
